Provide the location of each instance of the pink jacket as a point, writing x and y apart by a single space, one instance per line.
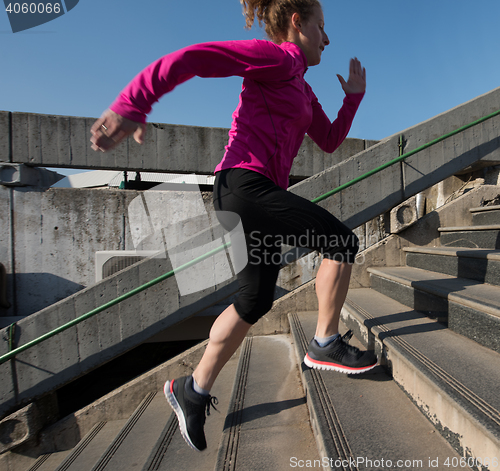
277 106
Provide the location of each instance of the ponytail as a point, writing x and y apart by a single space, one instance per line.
276 14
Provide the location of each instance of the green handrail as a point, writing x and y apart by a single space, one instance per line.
109 304
14 352
403 157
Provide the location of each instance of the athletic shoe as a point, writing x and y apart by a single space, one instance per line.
339 356
189 407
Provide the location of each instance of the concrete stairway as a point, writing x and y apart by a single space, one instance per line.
365 421
436 325
266 423
280 415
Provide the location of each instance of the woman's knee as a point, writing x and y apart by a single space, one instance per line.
345 250
251 309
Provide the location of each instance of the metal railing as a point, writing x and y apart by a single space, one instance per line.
13 352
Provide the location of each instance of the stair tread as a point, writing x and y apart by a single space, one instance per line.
464 291
86 454
178 453
48 461
489 254
273 423
366 404
472 365
132 445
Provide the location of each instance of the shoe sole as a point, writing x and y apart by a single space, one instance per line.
178 412
322 365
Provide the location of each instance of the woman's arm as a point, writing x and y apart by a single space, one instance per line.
255 59
329 135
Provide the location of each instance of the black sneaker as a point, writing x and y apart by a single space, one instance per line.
339 356
189 407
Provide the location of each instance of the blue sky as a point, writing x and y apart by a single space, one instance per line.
422 58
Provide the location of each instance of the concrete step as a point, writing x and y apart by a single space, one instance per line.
365 421
149 440
469 307
170 451
86 454
475 264
48 461
485 215
451 379
267 424
131 446
481 237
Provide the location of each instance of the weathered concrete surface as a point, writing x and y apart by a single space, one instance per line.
24 175
49 254
5 136
64 141
6 253
49 238
424 233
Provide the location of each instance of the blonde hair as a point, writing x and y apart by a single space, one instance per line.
276 14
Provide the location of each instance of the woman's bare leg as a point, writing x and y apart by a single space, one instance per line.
332 283
226 335
229 330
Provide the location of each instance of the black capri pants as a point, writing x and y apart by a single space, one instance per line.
272 216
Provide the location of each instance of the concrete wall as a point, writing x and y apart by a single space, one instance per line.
48 240
63 141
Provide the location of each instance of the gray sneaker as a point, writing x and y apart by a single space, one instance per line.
339 356
189 407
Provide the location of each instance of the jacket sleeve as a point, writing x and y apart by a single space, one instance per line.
330 135
255 59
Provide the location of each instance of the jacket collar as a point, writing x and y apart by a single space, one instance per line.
296 51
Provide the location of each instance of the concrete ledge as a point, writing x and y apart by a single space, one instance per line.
64 141
485 254
472 307
485 209
481 265
467 292
491 227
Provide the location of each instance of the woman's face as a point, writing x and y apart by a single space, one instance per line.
312 37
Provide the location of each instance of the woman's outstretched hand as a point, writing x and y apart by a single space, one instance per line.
111 128
357 78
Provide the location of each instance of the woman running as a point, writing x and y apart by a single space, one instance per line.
277 108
